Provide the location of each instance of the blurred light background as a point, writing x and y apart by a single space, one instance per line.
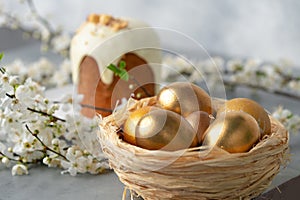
266 29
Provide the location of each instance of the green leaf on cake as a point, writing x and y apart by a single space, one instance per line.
114 69
122 64
120 71
1 55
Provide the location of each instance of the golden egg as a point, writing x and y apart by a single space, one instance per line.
200 121
132 121
164 130
184 98
234 132
251 107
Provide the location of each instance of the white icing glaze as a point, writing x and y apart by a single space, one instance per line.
107 46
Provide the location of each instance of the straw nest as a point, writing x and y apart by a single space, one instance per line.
195 173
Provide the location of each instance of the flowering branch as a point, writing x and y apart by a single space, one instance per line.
20 160
2 70
44 145
39 17
38 27
12 96
69 143
233 84
42 71
12 159
52 117
248 73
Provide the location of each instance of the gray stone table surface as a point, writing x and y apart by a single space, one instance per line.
48 183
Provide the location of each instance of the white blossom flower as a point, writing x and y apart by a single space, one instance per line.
52 161
66 66
62 76
5 85
2 147
32 156
5 161
17 67
46 160
213 65
5 102
19 169
27 144
45 34
173 66
11 121
294 85
61 42
25 90
55 142
71 102
41 70
89 141
234 65
288 119
76 125
252 64
75 161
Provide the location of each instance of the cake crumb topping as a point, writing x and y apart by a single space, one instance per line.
108 20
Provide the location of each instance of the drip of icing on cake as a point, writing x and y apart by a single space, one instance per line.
106 39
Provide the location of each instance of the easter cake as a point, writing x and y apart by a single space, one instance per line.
103 40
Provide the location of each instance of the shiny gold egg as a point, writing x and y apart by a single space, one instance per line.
200 121
234 132
132 121
164 130
251 107
184 98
